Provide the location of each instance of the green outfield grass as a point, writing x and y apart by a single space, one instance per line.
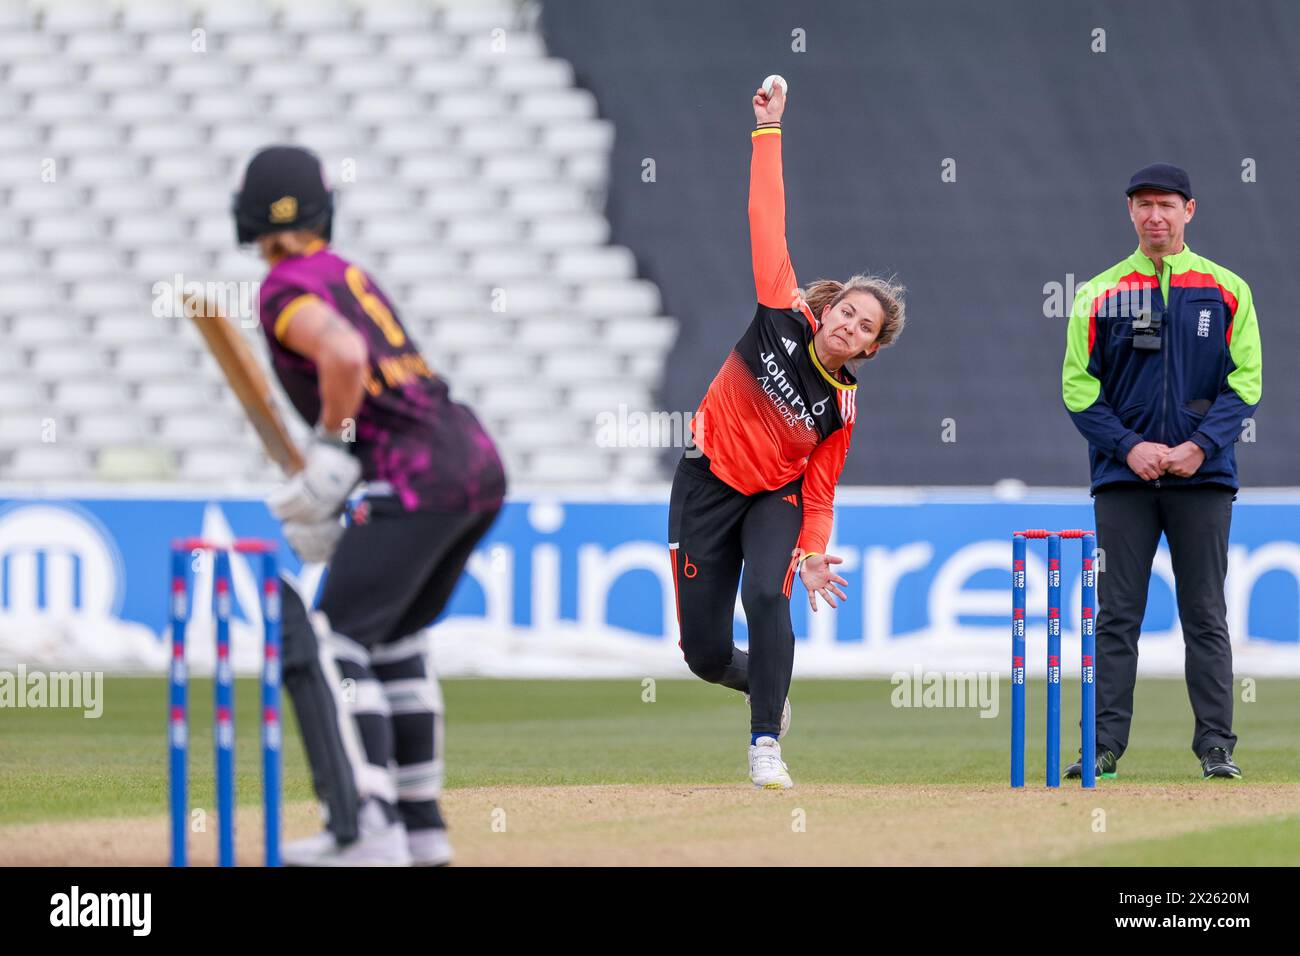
60 766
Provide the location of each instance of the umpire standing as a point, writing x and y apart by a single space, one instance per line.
1162 370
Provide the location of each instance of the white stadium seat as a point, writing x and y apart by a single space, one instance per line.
202 73
555 332
57 196
478 17
588 168
440 75
640 333
176 45
146 229
300 106
557 104
418 49
471 232
171 394
63 105
506 263
489 136
45 329
37 74
245 47
622 297
57 361
52 462
93 294
397 17
161 263
598 262
410 136
547 197
526 74
570 136
136 326
200 196
422 263
235 16
24 45
69 15
20 136
375 106
98 45
284 75
123 426
518 169
143 359
318 16
572 365
143 106
156 137
566 467
229 463
154 16
577 229
447 296
468 104
53 232
490 45
536 296
324 136
87 261
366 75
126 197
123 75
81 394
186 168
209 427
18 261
28 294
107 166
430 169
91 136
243 138
221 106
461 198
17 393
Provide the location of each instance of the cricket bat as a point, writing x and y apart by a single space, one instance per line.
245 377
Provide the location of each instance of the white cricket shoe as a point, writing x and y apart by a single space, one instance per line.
380 843
785 719
766 768
429 847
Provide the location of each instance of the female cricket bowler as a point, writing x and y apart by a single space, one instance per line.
367 700
773 430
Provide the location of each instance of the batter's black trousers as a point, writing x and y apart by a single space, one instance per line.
714 530
1195 520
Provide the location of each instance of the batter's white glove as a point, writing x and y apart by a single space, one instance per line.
319 491
314 542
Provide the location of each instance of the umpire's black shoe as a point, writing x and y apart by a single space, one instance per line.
1107 766
1217 762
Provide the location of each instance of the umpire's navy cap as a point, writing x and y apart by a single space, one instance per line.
1162 176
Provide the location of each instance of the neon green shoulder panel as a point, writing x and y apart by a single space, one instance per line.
1079 387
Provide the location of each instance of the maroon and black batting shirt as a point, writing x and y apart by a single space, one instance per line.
431 451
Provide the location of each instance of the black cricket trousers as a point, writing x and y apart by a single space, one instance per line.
1195 520
712 531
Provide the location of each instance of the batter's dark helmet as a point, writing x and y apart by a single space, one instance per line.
283 189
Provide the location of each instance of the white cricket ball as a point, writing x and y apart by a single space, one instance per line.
776 79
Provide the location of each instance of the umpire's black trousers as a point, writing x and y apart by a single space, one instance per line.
1195 520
